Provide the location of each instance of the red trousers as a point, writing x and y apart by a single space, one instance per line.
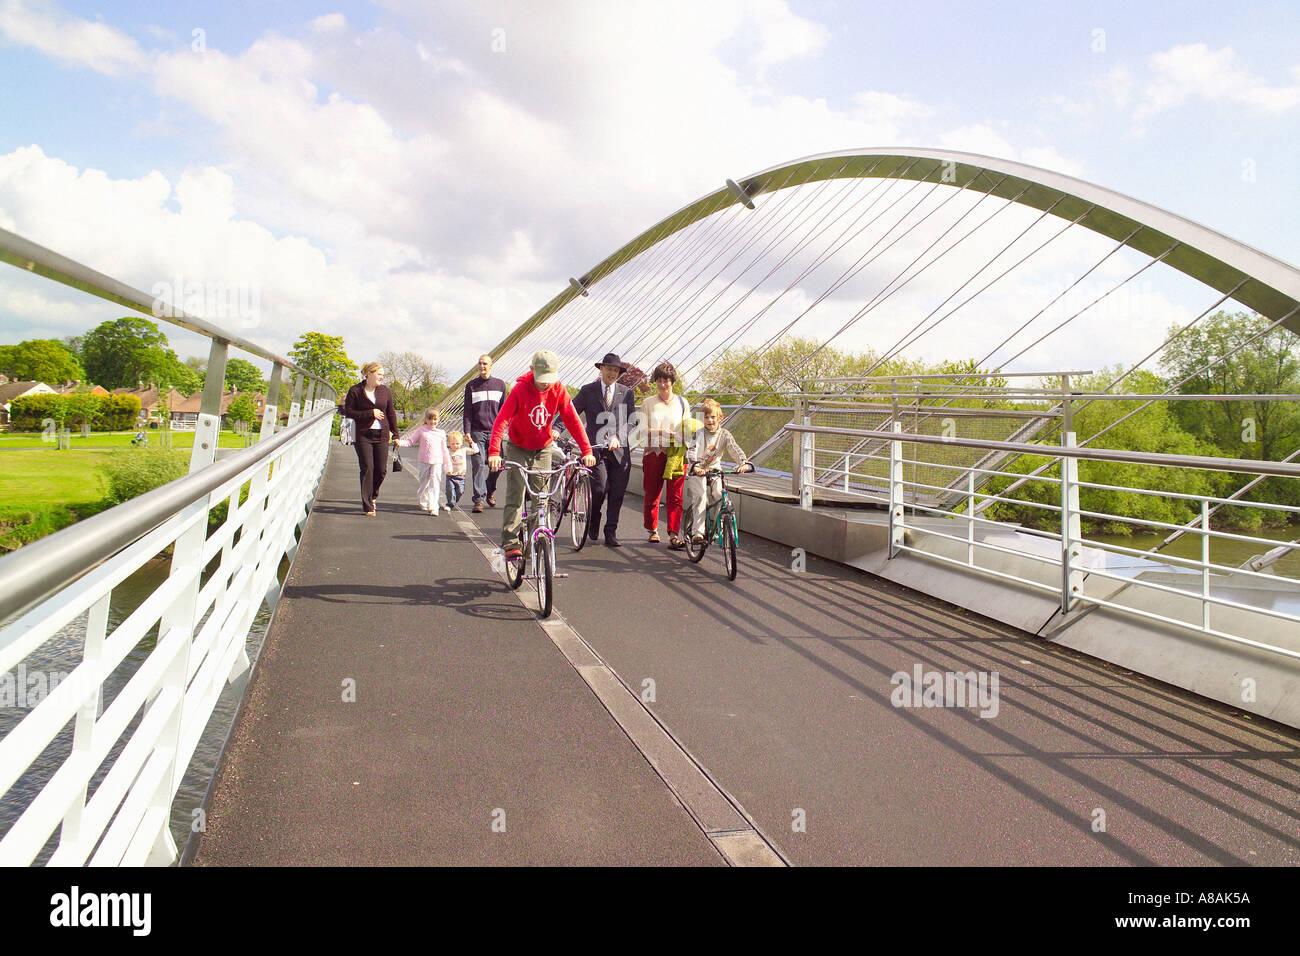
652 469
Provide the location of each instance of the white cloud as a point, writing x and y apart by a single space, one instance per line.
1194 70
448 169
784 35
70 39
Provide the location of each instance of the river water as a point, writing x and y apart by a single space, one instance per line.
62 653
1223 551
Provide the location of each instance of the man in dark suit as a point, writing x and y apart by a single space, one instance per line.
607 408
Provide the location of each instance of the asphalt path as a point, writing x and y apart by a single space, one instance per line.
782 686
469 739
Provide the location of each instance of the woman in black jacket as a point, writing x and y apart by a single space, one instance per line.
369 403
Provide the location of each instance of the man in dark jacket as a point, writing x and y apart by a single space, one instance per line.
483 398
608 408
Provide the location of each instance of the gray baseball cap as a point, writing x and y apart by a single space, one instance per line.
546 368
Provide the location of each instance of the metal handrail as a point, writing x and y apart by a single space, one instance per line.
1246 465
30 257
40 569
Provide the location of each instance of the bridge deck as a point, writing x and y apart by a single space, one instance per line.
778 685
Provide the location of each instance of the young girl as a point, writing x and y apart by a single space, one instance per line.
435 459
460 451
705 451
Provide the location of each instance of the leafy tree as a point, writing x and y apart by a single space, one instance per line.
1269 364
242 409
243 376
324 355
792 363
40 360
170 372
124 352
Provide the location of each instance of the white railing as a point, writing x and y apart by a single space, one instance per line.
1081 581
203 612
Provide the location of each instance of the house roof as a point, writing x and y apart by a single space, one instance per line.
11 390
190 406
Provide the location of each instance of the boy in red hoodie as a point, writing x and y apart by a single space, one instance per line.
538 396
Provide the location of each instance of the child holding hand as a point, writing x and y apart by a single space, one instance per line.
460 449
435 460
705 451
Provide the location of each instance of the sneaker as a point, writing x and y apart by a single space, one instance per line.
478 507
514 554
492 501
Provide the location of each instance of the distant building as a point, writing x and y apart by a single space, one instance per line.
11 390
151 400
72 388
185 412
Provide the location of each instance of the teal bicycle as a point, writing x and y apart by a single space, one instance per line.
719 524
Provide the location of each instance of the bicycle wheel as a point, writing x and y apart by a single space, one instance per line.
515 572
579 506
545 576
729 536
694 551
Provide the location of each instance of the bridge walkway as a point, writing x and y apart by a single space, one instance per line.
778 687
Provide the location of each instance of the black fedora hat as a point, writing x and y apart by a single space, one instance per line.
612 359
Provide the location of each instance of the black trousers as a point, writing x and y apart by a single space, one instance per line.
608 486
372 453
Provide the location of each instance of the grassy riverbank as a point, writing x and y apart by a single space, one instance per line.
43 489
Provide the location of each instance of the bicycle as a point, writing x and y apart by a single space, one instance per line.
538 560
719 523
570 493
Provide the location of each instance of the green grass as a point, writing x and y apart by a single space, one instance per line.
22 440
43 489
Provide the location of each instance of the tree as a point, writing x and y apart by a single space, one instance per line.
793 363
414 380
122 353
40 360
243 376
323 355
1267 364
242 409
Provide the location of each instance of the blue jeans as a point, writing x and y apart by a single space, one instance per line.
455 488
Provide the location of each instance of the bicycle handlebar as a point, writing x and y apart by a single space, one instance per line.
533 471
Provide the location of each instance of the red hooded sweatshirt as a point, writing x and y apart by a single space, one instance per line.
528 413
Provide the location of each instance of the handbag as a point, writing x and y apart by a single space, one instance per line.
397 459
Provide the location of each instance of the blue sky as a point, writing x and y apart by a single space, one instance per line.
425 175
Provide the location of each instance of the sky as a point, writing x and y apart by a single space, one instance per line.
426 175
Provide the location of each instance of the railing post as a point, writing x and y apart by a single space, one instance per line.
1071 527
295 407
271 412
1205 564
809 477
970 517
796 451
207 431
897 528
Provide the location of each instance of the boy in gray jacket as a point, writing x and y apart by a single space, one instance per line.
706 450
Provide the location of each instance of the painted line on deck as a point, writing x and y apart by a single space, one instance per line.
719 815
